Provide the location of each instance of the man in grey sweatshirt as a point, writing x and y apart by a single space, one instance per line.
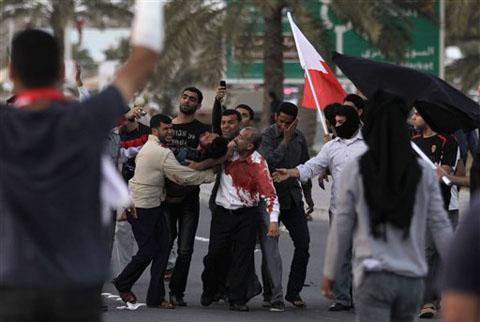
387 199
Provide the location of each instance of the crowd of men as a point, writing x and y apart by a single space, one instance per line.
391 217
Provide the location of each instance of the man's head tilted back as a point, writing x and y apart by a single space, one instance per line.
35 60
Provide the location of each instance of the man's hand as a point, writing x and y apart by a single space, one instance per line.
147 42
441 172
135 112
289 132
283 174
220 94
78 75
322 179
132 211
326 138
327 288
194 165
273 230
123 216
231 147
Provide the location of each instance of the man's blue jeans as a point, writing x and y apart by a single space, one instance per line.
388 297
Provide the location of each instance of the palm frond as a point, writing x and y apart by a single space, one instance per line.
384 23
467 68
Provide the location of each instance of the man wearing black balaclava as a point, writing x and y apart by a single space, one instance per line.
347 146
386 200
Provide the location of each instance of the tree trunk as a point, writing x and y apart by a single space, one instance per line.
307 120
272 58
62 11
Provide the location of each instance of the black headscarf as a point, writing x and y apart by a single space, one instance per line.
389 168
350 126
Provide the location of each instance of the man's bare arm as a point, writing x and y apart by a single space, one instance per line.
133 75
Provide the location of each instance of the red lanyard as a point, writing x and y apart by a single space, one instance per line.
30 97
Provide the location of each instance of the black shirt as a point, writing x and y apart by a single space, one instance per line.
51 234
440 149
188 134
185 135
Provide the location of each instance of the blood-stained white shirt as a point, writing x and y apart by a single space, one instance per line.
244 183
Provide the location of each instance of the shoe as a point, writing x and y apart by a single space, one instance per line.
296 301
206 300
239 307
428 311
337 307
277 307
266 303
104 308
177 300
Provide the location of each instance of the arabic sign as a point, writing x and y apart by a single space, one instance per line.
423 53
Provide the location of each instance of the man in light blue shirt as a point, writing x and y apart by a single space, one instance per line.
347 146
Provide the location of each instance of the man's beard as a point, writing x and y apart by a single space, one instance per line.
188 110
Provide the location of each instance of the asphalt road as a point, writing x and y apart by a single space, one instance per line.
317 305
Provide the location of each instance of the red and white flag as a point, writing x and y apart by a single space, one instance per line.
326 87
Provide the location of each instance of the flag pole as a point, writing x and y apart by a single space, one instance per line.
317 104
422 155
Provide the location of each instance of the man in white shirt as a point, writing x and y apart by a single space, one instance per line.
242 183
347 146
154 162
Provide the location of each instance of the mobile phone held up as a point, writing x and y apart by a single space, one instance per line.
223 83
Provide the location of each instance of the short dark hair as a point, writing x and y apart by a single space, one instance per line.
330 111
357 100
288 108
159 118
196 91
35 58
255 137
248 108
218 148
232 112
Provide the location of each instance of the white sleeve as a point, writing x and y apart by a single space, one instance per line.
148 26
315 165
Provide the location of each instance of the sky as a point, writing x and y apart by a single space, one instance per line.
96 40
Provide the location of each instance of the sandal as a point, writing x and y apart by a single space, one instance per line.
428 311
167 305
297 302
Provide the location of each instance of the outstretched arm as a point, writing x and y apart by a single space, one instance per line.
147 43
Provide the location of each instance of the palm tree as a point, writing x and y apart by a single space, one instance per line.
199 32
58 14
463 17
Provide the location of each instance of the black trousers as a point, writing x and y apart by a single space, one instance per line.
183 223
50 305
296 223
151 233
231 233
